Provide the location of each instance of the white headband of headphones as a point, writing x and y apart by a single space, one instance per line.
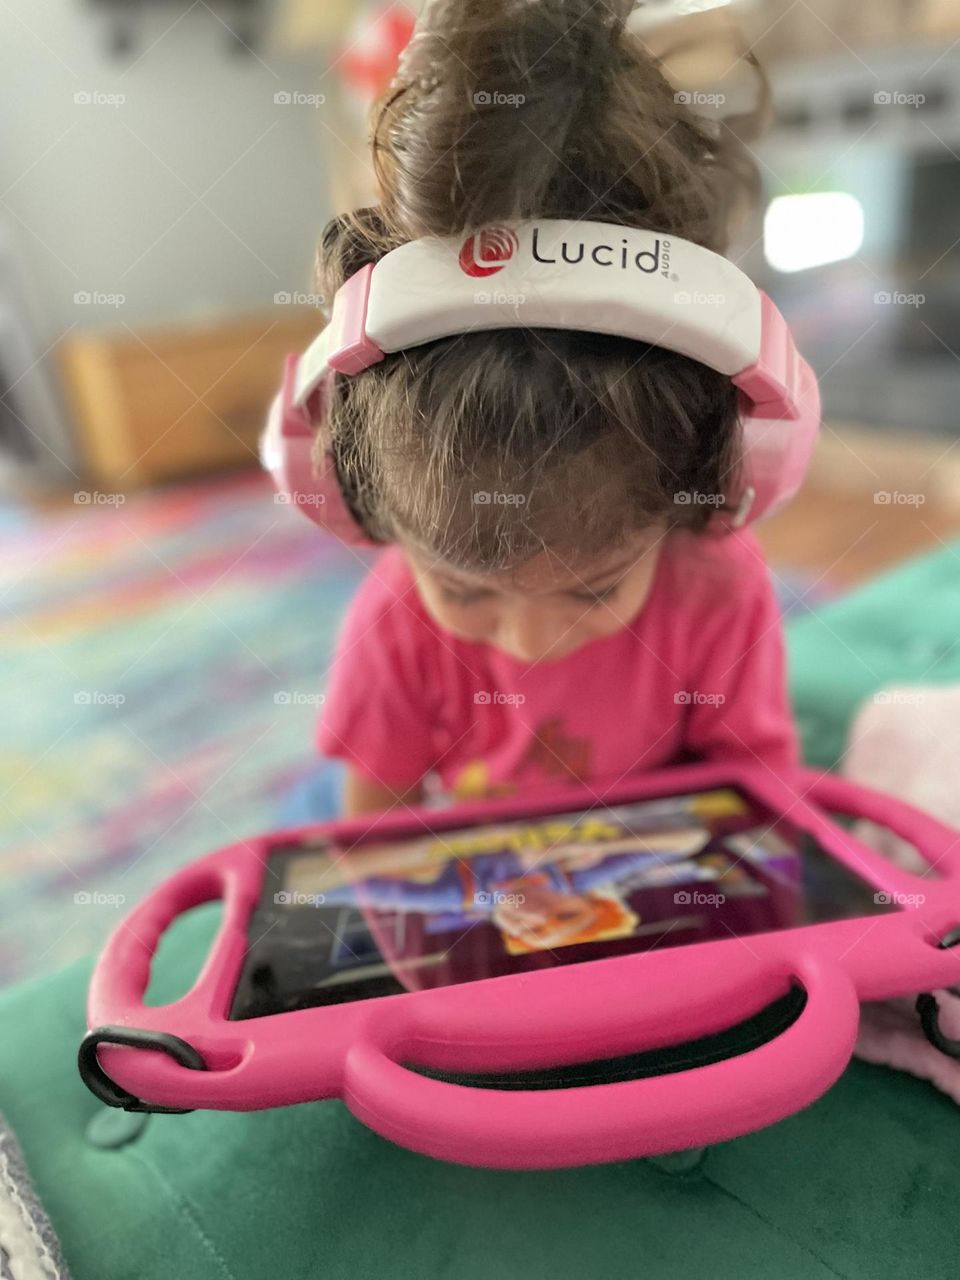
546 274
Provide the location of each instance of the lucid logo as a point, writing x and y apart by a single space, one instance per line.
607 255
488 251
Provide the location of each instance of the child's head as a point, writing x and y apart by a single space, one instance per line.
530 465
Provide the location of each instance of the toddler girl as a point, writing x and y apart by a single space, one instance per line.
550 606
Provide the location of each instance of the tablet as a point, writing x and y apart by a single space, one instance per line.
541 981
338 922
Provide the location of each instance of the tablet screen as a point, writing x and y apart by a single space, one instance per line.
335 924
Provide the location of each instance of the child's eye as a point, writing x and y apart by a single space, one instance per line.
594 597
461 597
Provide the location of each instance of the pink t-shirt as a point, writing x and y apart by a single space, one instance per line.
697 674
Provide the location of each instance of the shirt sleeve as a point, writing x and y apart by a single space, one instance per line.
376 715
739 707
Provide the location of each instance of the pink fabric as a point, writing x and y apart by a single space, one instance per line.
697 674
890 1034
905 740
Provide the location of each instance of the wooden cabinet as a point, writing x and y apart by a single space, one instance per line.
161 403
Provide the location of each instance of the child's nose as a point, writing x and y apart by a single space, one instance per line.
527 632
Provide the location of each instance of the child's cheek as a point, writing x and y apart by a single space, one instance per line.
608 617
474 622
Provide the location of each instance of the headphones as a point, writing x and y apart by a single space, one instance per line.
549 274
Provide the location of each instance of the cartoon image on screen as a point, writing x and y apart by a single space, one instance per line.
383 918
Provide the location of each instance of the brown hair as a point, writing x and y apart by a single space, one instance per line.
506 110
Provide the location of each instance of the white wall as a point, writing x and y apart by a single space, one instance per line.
101 199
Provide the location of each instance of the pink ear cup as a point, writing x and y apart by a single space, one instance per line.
286 452
780 425
777 452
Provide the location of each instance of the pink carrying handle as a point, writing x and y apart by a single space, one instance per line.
122 975
517 1129
937 844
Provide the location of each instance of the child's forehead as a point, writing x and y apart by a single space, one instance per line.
547 572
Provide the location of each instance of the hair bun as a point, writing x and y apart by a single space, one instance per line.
509 109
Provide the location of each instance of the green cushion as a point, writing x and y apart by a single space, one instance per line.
903 627
864 1183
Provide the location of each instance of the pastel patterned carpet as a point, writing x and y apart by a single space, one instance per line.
161 665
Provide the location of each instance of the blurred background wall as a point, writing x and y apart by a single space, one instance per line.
168 166
165 173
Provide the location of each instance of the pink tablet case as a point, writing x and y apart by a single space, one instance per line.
584 1012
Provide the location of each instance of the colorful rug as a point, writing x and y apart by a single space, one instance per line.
162 661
